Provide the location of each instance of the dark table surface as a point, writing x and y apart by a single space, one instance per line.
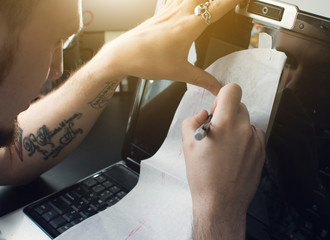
101 148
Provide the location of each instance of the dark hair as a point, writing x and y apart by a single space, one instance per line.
15 14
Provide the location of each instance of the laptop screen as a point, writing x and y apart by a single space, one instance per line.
151 116
298 148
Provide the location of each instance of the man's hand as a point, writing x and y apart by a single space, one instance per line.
224 168
159 47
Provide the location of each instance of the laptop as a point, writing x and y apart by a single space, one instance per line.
155 102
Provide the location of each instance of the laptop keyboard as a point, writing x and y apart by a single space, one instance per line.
60 211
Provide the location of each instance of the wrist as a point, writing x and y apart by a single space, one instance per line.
213 220
105 65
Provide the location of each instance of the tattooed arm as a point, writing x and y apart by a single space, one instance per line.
53 126
157 49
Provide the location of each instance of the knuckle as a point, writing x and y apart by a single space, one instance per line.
247 132
236 87
224 125
185 123
226 121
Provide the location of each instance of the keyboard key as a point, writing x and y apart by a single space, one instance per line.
99 205
71 197
64 228
42 208
86 213
80 191
100 178
50 215
98 188
70 216
77 220
114 189
58 222
121 194
105 195
112 201
79 206
91 197
107 184
66 200
60 206
90 182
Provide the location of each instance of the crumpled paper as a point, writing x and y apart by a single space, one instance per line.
160 205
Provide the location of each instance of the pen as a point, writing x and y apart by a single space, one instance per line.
203 129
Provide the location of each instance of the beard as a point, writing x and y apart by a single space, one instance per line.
8 136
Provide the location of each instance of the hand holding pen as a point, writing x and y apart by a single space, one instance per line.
203 129
223 170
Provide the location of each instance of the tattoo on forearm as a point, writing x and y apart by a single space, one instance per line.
43 141
18 144
102 99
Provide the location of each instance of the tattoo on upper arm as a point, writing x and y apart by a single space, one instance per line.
102 99
43 141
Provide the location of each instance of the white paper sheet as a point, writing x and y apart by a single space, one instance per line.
160 207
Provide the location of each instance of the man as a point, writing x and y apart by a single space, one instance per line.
31 37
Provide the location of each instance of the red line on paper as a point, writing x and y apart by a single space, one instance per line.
136 229
180 153
144 220
203 93
163 178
